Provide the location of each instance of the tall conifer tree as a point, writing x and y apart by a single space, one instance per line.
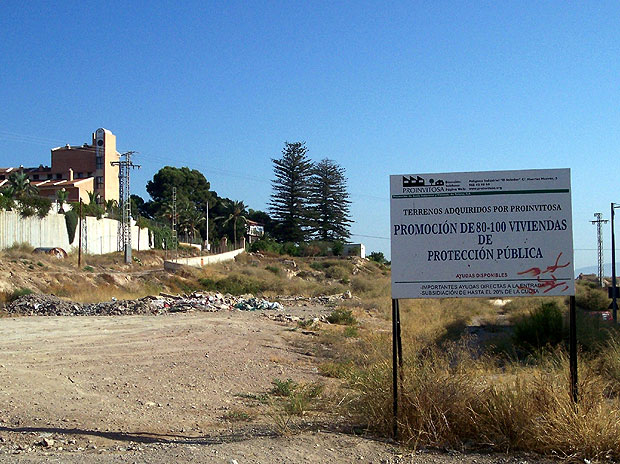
289 200
329 202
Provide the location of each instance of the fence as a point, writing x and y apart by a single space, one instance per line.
99 236
200 261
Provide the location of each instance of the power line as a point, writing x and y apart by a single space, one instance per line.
371 236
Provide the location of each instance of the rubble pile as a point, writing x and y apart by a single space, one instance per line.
324 300
255 304
50 305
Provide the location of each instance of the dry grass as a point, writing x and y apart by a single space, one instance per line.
454 397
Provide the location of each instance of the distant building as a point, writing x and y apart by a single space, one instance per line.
354 249
255 230
77 169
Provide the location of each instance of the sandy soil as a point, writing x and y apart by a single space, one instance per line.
168 389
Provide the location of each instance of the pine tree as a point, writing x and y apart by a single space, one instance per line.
329 200
289 200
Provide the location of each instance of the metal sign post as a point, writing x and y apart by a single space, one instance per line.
397 362
614 301
573 349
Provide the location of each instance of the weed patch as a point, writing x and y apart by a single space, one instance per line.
341 316
238 415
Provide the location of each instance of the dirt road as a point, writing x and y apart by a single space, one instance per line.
174 388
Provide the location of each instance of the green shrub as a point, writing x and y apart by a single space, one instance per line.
338 248
377 257
18 293
350 332
275 269
266 244
71 221
302 399
338 272
6 202
283 387
291 249
163 238
591 297
341 316
540 328
233 284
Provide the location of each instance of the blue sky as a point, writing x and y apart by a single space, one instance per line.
380 87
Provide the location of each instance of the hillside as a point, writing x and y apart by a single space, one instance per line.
102 277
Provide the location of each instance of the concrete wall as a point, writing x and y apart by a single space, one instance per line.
99 235
200 261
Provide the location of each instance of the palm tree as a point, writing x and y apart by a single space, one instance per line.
235 212
20 186
111 207
191 218
166 211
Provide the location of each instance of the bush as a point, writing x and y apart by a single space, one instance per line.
377 257
541 328
71 221
591 297
6 202
275 269
338 248
29 206
18 293
233 284
338 272
266 244
283 387
341 316
88 209
290 248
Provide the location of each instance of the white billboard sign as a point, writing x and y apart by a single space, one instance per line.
482 234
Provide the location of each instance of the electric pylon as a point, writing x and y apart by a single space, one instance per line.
124 195
599 233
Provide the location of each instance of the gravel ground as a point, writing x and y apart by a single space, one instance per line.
171 388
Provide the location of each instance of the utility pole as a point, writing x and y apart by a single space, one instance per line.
614 297
599 235
174 223
124 228
80 238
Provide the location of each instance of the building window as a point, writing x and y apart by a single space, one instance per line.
99 182
90 174
99 162
58 176
2 177
35 177
80 175
49 176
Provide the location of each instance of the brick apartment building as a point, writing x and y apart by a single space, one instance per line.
77 169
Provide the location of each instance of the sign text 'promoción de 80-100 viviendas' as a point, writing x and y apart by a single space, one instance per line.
482 234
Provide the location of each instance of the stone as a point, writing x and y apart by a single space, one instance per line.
46 442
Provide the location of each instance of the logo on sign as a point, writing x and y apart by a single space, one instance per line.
413 183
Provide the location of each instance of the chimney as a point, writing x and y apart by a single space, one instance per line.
70 174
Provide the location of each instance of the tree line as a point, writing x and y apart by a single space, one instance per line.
309 202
